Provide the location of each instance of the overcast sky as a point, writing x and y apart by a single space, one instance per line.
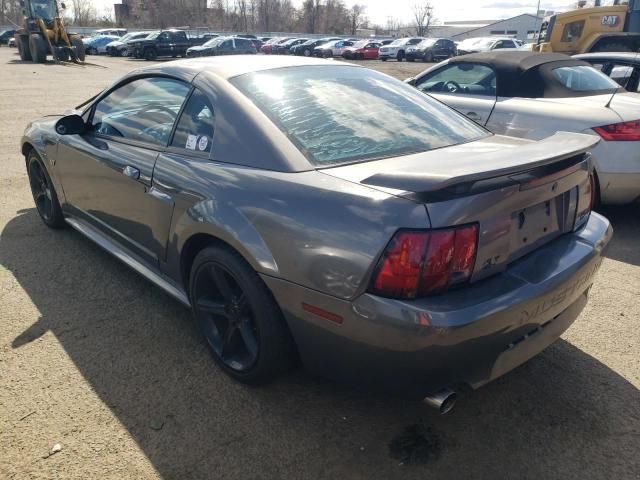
445 10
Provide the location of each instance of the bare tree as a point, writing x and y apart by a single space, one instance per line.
422 14
356 17
84 12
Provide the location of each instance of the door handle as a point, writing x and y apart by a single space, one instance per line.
131 172
473 116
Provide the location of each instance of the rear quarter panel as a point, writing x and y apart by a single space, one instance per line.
308 228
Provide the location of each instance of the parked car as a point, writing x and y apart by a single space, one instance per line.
487 44
223 46
97 44
306 48
431 49
6 35
397 48
12 42
623 67
332 49
166 43
285 48
532 95
400 245
116 32
362 50
121 46
268 47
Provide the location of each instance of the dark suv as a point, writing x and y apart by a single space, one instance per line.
431 49
223 46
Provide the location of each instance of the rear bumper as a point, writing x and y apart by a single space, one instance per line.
618 169
465 337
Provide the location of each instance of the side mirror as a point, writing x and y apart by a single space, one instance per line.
70 125
411 81
63 6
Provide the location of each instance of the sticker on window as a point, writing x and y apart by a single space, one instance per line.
192 140
202 143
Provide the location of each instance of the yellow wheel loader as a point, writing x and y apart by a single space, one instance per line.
43 34
613 28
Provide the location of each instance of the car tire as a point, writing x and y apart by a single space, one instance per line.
238 317
43 192
307 52
150 54
400 55
38 48
428 57
23 48
384 59
124 52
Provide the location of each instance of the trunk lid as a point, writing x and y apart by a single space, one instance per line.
522 194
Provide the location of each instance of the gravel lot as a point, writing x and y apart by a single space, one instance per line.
96 359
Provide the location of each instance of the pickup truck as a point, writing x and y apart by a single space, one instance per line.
166 43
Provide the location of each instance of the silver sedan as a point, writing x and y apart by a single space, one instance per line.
533 96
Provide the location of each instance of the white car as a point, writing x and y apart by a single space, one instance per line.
397 49
487 44
532 95
332 49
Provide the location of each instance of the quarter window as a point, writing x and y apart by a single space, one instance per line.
461 79
195 127
144 110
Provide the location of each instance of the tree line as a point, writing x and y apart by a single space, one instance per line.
310 16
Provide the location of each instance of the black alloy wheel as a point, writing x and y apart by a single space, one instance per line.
44 194
226 318
238 317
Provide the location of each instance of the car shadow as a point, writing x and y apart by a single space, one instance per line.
139 352
626 225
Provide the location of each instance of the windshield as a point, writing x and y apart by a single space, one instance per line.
128 36
360 44
469 42
153 36
213 42
485 43
582 78
44 9
427 43
341 114
400 41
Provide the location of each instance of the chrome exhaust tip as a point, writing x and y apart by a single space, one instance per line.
443 401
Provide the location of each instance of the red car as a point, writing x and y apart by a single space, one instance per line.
268 47
362 50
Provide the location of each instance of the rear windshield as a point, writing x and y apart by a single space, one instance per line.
583 78
341 114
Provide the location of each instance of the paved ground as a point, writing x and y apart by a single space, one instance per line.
99 361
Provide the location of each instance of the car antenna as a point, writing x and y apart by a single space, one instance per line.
608 105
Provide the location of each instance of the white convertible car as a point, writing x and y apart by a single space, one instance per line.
532 95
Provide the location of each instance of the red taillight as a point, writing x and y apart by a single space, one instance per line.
418 263
620 132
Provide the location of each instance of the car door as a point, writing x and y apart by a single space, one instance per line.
438 49
225 47
371 50
468 87
107 171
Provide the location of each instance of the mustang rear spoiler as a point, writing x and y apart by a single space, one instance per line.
481 171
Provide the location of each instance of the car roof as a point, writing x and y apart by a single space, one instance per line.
525 74
226 67
623 56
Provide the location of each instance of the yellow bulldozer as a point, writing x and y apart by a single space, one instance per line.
612 28
43 34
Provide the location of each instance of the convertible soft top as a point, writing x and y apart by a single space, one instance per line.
526 74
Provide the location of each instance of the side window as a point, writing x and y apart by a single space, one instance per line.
572 31
460 79
195 127
164 37
143 110
497 45
227 44
621 74
508 44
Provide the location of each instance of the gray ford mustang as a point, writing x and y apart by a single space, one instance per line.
308 208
